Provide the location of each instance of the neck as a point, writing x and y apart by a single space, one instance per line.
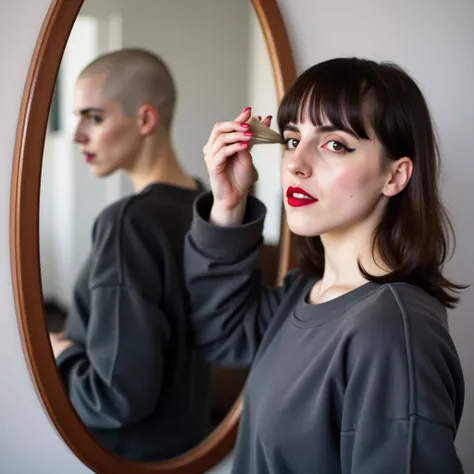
158 163
343 251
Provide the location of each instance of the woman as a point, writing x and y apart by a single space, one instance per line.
125 358
353 368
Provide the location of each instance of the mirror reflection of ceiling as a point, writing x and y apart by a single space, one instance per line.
216 77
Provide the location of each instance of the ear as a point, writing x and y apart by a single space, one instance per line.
148 119
400 172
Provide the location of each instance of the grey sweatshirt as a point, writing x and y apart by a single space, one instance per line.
132 373
367 383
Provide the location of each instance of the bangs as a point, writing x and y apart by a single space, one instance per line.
334 91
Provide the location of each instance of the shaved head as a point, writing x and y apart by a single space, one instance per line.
136 77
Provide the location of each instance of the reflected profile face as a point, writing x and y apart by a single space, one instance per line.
332 180
107 138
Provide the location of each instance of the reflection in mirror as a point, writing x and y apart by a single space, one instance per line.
122 165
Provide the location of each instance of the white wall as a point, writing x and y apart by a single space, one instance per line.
70 196
431 39
29 444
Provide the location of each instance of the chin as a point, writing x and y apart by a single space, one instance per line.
304 226
100 173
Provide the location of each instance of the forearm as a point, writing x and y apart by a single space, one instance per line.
230 308
114 379
106 405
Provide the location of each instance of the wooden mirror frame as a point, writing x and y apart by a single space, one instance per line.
25 257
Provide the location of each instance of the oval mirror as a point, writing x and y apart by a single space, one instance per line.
114 367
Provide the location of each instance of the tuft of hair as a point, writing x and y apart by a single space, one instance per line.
136 77
262 134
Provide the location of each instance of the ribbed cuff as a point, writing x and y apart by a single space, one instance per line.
227 242
68 354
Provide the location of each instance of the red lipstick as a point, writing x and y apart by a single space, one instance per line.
298 197
89 157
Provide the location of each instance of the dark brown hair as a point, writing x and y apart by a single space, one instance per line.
415 232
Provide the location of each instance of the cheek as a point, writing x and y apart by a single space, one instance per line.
283 172
117 140
106 137
353 183
347 180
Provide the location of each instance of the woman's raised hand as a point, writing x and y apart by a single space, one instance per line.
230 167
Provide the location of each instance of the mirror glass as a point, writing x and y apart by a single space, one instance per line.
113 216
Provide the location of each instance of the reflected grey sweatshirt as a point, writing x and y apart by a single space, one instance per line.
132 374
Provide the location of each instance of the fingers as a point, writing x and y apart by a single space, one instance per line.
267 120
216 163
225 127
224 133
222 128
244 115
227 139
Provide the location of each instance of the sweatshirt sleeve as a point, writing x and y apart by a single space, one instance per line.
230 308
404 395
115 379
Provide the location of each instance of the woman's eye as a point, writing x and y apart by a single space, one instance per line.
337 147
291 143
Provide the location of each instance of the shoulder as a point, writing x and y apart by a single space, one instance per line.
128 245
400 328
138 214
397 316
400 339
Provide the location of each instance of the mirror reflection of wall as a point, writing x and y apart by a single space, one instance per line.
215 80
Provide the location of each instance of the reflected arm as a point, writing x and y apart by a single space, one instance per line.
114 376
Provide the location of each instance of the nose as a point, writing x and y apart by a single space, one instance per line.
80 136
298 165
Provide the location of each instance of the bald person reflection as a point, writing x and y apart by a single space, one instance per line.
125 356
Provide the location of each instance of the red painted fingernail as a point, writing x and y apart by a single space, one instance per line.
244 125
248 134
243 144
247 109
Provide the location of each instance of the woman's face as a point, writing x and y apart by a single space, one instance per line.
332 181
108 139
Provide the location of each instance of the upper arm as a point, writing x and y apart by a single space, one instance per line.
117 378
404 387
129 249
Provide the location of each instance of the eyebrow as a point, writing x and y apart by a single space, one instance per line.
321 129
89 110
